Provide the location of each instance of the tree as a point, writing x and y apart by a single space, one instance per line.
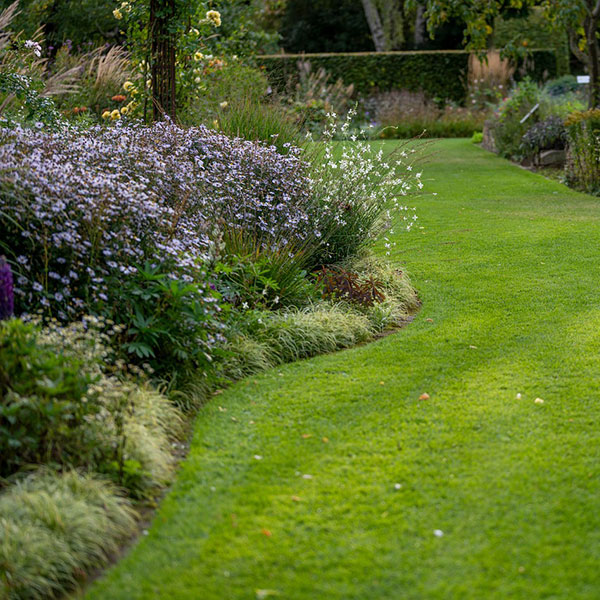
579 17
386 19
164 48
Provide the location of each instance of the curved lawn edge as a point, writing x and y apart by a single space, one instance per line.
504 267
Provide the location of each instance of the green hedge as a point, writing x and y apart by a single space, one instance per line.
439 73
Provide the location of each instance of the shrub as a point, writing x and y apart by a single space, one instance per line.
356 188
337 283
583 157
314 97
166 322
256 276
61 404
488 79
371 71
477 137
549 134
401 114
507 125
415 71
563 85
56 527
234 83
44 404
81 208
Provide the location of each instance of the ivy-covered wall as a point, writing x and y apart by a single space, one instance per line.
439 73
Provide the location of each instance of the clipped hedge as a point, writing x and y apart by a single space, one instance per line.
439 73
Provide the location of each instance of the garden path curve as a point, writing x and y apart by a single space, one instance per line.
329 478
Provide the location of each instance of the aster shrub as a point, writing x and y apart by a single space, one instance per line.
83 208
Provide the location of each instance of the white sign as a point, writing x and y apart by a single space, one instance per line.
583 78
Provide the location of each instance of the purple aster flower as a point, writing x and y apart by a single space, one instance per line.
7 297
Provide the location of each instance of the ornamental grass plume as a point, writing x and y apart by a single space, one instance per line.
7 299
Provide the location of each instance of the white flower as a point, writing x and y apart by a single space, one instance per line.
438 532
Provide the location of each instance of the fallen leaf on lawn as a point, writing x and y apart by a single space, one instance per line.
262 594
397 486
382 383
539 401
473 347
234 419
430 320
257 457
306 435
296 498
325 440
519 396
307 476
266 532
438 533
424 396
221 409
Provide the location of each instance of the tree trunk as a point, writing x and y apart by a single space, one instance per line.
420 26
163 58
594 66
374 21
591 34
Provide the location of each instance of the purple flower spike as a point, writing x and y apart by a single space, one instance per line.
7 298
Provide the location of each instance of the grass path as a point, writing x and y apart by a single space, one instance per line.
508 267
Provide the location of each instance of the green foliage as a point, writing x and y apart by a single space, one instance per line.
276 338
583 158
459 126
533 30
165 322
440 74
477 137
54 529
495 322
506 123
337 283
372 71
91 21
314 96
231 82
549 134
44 401
308 26
266 122
562 85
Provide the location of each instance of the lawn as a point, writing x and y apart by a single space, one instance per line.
327 478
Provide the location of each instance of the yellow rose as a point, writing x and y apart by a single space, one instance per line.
117 14
198 56
115 114
214 17
128 86
106 114
124 110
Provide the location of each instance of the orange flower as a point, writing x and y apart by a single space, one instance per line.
119 98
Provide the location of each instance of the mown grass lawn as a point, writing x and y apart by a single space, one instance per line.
507 266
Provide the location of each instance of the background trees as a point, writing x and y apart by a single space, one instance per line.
579 17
